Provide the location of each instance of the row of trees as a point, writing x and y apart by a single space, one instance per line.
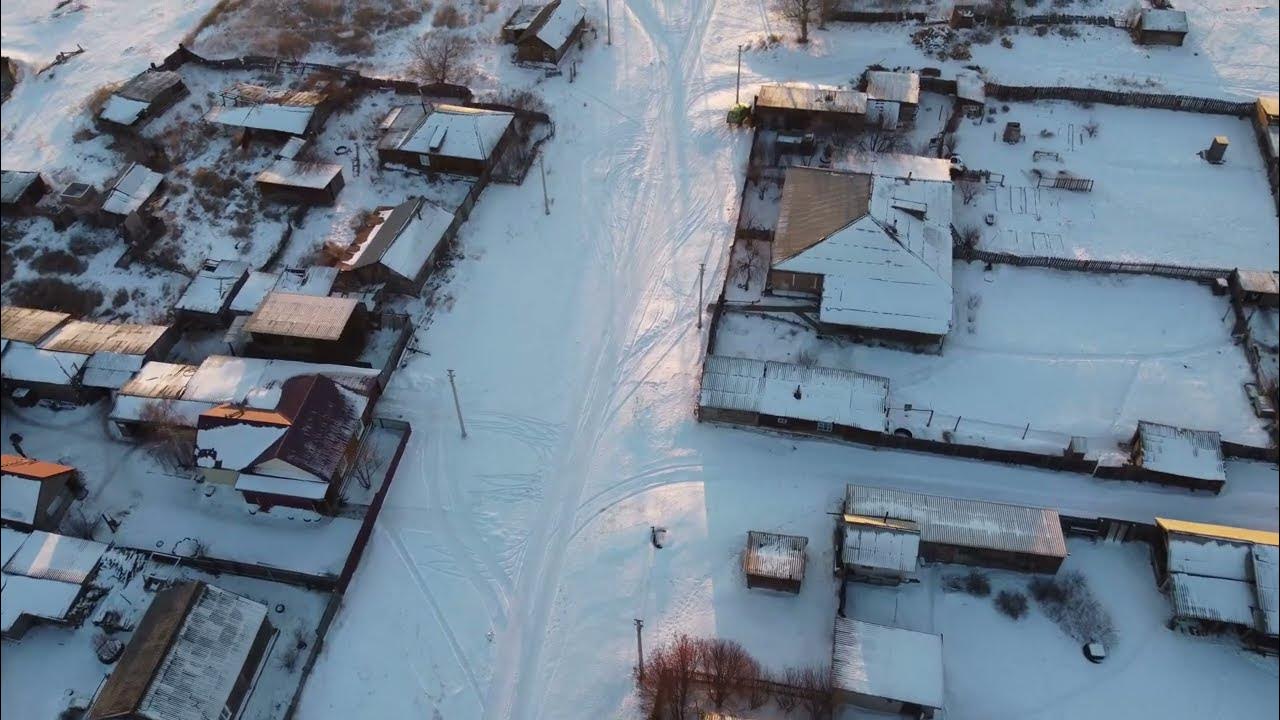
686 675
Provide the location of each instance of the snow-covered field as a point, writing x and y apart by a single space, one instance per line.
507 567
1153 199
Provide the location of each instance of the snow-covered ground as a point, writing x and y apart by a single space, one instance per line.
1153 199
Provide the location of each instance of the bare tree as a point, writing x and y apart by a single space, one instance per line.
883 141
665 685
752 263
440 58
727 666
792 678
174 442
969 190
817 699
755 687
800 12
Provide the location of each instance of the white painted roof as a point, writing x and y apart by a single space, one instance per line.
887 662
35 597
560 23
19 497
461 132
26 363
879 547
818 98
1182 452
209 291
843 397
122 110
964 523
289 487
56 557
209 652
903 87
134 188
277 118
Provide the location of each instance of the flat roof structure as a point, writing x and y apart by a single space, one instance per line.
1181 451
840 397
302 316
29 325
813 98
887 663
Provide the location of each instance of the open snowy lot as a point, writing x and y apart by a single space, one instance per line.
1071 353
1153 199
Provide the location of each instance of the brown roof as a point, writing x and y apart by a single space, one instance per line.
83 336
124 690
302 316
774 556
28 324
816 203
237 413
323 421
33 469
1259 281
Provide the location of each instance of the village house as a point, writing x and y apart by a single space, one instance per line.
887 669
968 532
449 139
20 190
35 494
545 33
297 181
273 114
1178 456
1221 579
45 578
892 98
880 551
129 200
794 397
971 92
295 453
875 250
292 326
773 561
398 245
317 280
1161 27
147 95
791 106
206 302
1256 287
194 654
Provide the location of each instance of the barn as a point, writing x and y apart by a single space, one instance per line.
1161 27
305 327
792 106
1178 456
881 551
892 98
399 245
553 30
305 183
450 139
147 95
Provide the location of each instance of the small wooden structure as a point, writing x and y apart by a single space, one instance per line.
306 183
1217 149
399 245
147 95
774 561
892 97
206 301
792 106
1161 27
292 326
34 494
554 28
1256 287
1178 456
20 190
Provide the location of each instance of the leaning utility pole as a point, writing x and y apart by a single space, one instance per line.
702 268
456 405
737 85
608 24
639 648
546 202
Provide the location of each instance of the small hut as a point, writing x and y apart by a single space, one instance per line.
774 561
307 183
551 33
20 190
147 95
1161 27
304 327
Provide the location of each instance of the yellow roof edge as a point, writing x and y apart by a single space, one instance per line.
1222 532
892 523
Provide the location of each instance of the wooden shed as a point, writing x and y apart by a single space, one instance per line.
35 494
306 183
1161 27
1178 456
399 245
792 106
20 190
553 30
1256 287
305 327
774 561
145 96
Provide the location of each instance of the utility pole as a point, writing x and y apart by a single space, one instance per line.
640 647
702 268
737 85
608 23
546 202
456 406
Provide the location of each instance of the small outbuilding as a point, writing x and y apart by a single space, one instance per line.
555 27
1256 287
317 280
45 577
774 561
450 139
127 200
35 494
793 106
887 669
1178 456
1161 27
194 654
881 551
399 245
305 327
20 190
273 114
306 183
207 300
892 98
147 95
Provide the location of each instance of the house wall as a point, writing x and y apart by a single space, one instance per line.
324 506
738 417
891 338
874 576
244 680
984 557
792 119
534 50
769 583
55 499
220 476
1156 37
787 281
300 195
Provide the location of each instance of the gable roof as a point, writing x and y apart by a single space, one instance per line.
13 183
31 468
1164 20
147 85
554 24
301 174
903 87
211 290
402 239
457 131
324 419
86 337
816 203
880 661
134 188
302 316
28 325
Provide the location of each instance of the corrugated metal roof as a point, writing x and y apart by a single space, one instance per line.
28 325
887 662
159 380
296 173
458 131
902 87
814 98
15 182
86 338
1164 20
730 383
964 523
1224 532
1209 598
771 555
1266 561
56 557
210 291
816 203
31 468
881 546
1181 451
134 188
273 118
842 397
110 371
1196 555
303 316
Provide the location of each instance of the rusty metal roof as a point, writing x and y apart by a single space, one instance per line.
816 203
85 337
28 325
302 316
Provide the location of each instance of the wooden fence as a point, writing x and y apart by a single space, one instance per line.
1182 103
1065 182
1067 19
1181 272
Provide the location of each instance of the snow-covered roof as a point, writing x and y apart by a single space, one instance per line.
403 239
522 18
132 190
882 545
890 165
1211 598
207 657
297 173
210 290
123 110
902 87
292 119
1266 562
159 380
963 523
288 487
775 556
35 597
24 363
457 131
235 447
885 662
56 557
316 280
148 85
10 541
1210 558
19 498
109 370
15 182
1181 452
1164 20
28 325
842 397
970 86
302 316
1259 281
86 337
254 291
814 98
555 24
